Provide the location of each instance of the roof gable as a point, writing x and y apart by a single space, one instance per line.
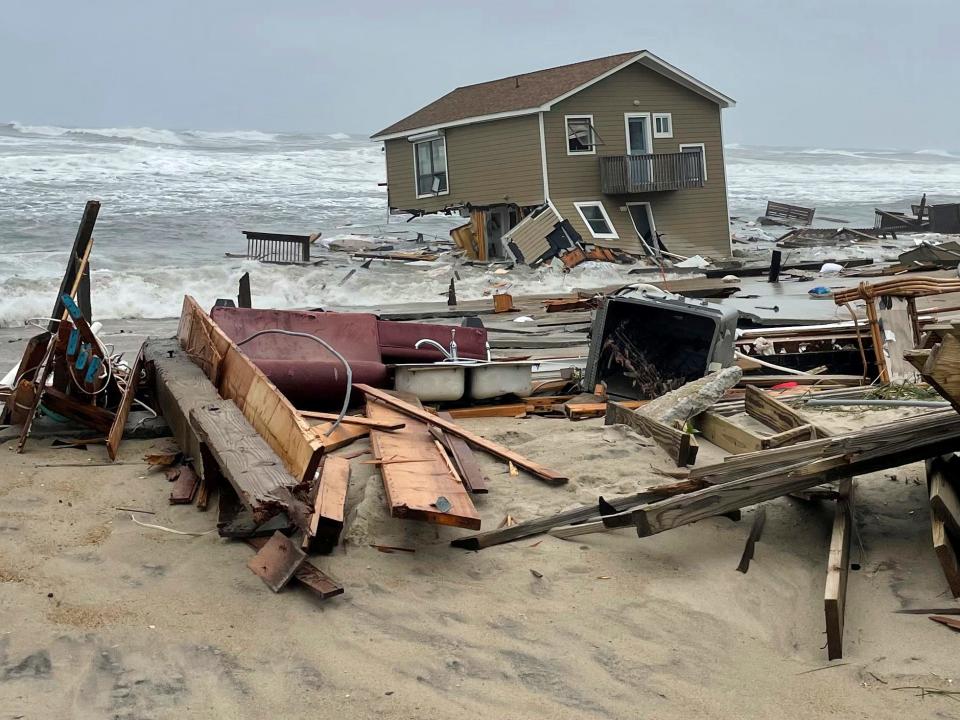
532 92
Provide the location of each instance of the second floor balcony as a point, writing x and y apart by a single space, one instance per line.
626 174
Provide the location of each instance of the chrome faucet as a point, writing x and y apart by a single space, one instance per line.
448 355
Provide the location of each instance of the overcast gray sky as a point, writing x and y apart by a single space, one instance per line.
836 73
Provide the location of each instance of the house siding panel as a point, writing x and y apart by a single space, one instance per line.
529 235
692 221
489 163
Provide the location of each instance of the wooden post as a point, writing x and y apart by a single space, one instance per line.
838 569
774 275
79 257
243 296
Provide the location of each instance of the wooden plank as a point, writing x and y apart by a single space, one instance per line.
897 337
464 460
506 410
250 466
944 545
941 368
83 412
586 410
179 387
77 263
415 475
536 526
277 561
351 420
679 445
238 379
549 476
327 520
183 488
838 568
342 435
944 500
123 410
726 434
781 417
789 437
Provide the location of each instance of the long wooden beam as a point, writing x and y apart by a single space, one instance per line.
838 569
679 445
538 471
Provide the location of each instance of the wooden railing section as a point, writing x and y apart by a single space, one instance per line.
624 174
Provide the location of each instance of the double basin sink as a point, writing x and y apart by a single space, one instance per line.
449 381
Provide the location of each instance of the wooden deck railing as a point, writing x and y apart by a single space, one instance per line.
624 174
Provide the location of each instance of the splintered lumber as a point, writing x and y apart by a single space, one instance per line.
781 417
838 569
944 500
72 407
327 520
238 379
756 530
507 410
585 410
679 445
463 459
950 622
351 420
404 408
78 261
308 574
726 434
941 368
944 543
180 386
536 526
277 561
417 479
248 463
755 477
185 485
341 436
116 430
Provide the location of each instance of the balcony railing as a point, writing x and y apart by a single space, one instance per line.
625 174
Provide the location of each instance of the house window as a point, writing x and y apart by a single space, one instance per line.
701 150
581 138
430 159
596 218
662 125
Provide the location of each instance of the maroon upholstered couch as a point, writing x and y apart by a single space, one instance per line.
309 375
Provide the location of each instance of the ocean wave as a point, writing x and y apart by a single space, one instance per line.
151 136
232 136
338 136
937 153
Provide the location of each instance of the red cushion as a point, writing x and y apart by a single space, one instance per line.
397 340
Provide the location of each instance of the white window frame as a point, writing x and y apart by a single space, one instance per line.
703 156
416 174
648 130
612 235
566 135
669 117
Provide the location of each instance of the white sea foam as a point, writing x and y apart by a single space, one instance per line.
338 136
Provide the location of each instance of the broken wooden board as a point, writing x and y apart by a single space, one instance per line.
944 500
838 570
538 471
120 421
726 434
679 445
78 409
897 336
463 459
762 406
327 520
350 420
238 379
944 544
248 463
179 386
417 480
341 436
586 410
277 561
184 487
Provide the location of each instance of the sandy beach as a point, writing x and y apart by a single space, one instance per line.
107 618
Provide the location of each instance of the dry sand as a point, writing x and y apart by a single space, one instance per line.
102 618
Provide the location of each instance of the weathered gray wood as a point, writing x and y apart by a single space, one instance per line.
251 467
536 526
944 544
944 500
775 414
838 570
679 445
180 386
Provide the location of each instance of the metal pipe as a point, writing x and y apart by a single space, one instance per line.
328 346
878 403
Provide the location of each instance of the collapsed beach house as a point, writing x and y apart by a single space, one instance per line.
622 152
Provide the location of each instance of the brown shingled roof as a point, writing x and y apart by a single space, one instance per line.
514 93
